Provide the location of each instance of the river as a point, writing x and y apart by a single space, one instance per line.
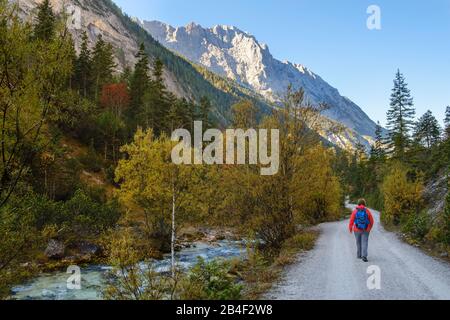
53 286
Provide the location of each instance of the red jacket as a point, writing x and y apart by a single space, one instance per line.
352 227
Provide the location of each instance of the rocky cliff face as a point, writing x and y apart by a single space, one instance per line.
96 18
238 55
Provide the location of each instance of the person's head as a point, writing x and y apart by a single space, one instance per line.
362 202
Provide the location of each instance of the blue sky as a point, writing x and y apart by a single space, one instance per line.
331 38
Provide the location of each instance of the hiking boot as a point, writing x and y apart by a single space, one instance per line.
365 259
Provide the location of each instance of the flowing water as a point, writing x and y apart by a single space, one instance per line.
53 286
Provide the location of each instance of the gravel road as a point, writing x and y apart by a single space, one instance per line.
332 272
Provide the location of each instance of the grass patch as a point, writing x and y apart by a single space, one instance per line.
261 272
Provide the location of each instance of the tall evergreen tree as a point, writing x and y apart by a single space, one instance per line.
157 101
447 122
192 114
377 152
139 82
204 112
178 116
103 65
446 145
83 66
45 22
400 117
162 99
126 76
427 131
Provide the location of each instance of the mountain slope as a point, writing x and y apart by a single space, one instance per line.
237 55
103 17
183 77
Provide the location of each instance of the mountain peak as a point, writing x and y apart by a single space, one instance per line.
237 55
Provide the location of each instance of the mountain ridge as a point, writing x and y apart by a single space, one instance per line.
237 55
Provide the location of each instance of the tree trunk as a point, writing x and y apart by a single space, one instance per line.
173 232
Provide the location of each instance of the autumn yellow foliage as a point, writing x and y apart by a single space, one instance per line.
316 191
402 196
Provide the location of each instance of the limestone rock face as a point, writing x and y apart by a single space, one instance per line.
239 56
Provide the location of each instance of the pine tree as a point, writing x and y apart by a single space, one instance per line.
447 122
162 99
83 66
204 112
192 114
158 80
377 152
139 82
177 116
103 65
156 105
400 117
125 77
73 59
427 131
45 22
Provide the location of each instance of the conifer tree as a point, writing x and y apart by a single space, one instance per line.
45 22
447 122
156 102
160 96
204 112
192 114
103 65
177 115
83 66
377 152
427 131
139 81
400 117
126 76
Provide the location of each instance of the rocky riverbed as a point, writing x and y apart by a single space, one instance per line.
53 286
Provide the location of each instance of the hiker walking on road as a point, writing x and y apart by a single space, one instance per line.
361 223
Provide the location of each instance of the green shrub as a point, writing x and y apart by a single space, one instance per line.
444 223
83 216
418 226
91 161
210 281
